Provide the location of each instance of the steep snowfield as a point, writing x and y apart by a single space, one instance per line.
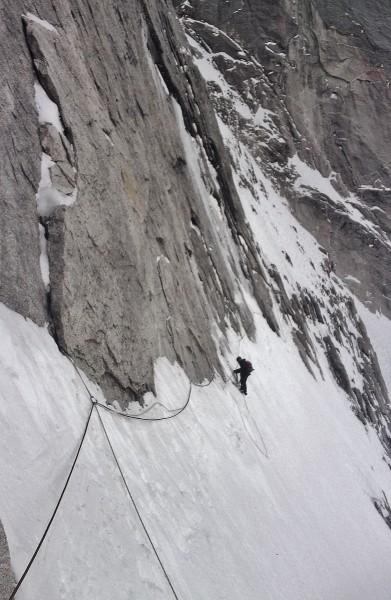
257 498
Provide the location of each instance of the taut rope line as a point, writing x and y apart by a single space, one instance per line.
56 508
135 506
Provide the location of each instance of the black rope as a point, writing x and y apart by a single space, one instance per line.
177 411
203 384
55 510
264 452
135 506
139 417
94 402
230 377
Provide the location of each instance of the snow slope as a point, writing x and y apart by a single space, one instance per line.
264 497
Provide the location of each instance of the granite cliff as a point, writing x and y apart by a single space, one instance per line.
136 269
326 72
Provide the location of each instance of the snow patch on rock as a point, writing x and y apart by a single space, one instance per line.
47 109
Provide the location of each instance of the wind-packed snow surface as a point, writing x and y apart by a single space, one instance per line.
264 497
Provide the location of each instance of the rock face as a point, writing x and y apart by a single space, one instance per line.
21 285
348 45
326 68
323 318
136 270
7 579
342 64
332 61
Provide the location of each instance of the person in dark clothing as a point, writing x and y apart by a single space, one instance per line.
244 371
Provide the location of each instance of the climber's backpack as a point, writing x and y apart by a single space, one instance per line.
249 367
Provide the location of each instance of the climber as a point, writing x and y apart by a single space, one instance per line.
244 370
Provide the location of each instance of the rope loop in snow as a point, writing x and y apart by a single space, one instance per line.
203 384
139 417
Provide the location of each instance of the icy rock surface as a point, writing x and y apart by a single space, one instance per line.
324 70
323 316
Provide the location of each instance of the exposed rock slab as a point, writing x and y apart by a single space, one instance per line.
7 579
324 69
323 322
136 270
21 285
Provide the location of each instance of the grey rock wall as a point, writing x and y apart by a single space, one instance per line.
355 250
136 270
349 245
332 62
7 579
21 285
325 70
